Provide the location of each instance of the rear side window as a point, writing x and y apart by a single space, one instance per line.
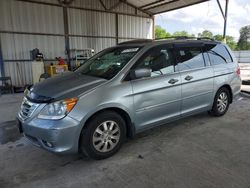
189 58
160 59
218 54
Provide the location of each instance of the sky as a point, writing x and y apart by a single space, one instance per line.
207 15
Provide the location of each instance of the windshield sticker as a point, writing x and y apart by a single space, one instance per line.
130 50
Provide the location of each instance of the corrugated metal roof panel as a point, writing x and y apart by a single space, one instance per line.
141 3
169 5
159 6
94 4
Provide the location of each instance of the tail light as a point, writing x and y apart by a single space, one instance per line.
238 71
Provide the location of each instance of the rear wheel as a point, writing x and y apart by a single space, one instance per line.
103 136
221 102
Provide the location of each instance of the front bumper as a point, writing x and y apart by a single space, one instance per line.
58 136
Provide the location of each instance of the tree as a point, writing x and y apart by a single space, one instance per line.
218 37
206 33
244 43
229 40
182 33
161 33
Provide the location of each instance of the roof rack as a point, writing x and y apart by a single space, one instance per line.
186 38
136 41
205 38
173 38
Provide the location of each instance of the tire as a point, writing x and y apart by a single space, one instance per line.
103 135
221 102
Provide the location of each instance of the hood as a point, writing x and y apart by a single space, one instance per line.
69 84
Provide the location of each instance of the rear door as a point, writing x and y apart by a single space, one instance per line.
196 77
157 98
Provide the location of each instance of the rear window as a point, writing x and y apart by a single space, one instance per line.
218 54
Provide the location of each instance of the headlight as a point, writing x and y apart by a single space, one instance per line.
57 110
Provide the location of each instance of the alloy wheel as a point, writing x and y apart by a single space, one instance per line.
222 102
106 136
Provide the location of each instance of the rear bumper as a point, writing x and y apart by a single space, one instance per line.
57 136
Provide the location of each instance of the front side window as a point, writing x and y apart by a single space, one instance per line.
159 59
189 58
108 63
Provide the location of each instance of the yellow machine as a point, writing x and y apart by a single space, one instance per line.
54 70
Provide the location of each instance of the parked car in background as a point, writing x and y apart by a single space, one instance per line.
126 89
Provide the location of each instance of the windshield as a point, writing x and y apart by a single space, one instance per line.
108 63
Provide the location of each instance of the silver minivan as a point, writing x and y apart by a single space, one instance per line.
126 89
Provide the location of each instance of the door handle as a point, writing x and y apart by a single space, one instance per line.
173 81
189 78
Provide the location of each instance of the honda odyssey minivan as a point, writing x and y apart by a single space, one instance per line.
126 89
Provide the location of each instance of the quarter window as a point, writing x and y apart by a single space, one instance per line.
189 58
159 59
218 54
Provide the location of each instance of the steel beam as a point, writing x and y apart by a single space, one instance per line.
225 21
103 5
224 15
63 35
116 29
218 2
83 8
66 33
176 8
115 6
1 61
30 33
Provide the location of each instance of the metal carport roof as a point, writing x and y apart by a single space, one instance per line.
153 7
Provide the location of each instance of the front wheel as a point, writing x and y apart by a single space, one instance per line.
221 102
103 136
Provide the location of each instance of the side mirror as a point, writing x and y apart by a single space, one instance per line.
140 73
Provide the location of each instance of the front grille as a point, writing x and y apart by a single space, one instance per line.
27 108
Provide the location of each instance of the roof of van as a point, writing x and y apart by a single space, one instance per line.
170 40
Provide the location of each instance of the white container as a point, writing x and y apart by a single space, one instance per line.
37 70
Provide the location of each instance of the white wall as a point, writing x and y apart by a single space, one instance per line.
242 56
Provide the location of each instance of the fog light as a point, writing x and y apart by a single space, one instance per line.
50 145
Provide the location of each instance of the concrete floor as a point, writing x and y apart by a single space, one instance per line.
199 151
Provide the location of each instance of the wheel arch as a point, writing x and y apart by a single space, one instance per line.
227 86
130 128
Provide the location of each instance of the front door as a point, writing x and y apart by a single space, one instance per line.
157 98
